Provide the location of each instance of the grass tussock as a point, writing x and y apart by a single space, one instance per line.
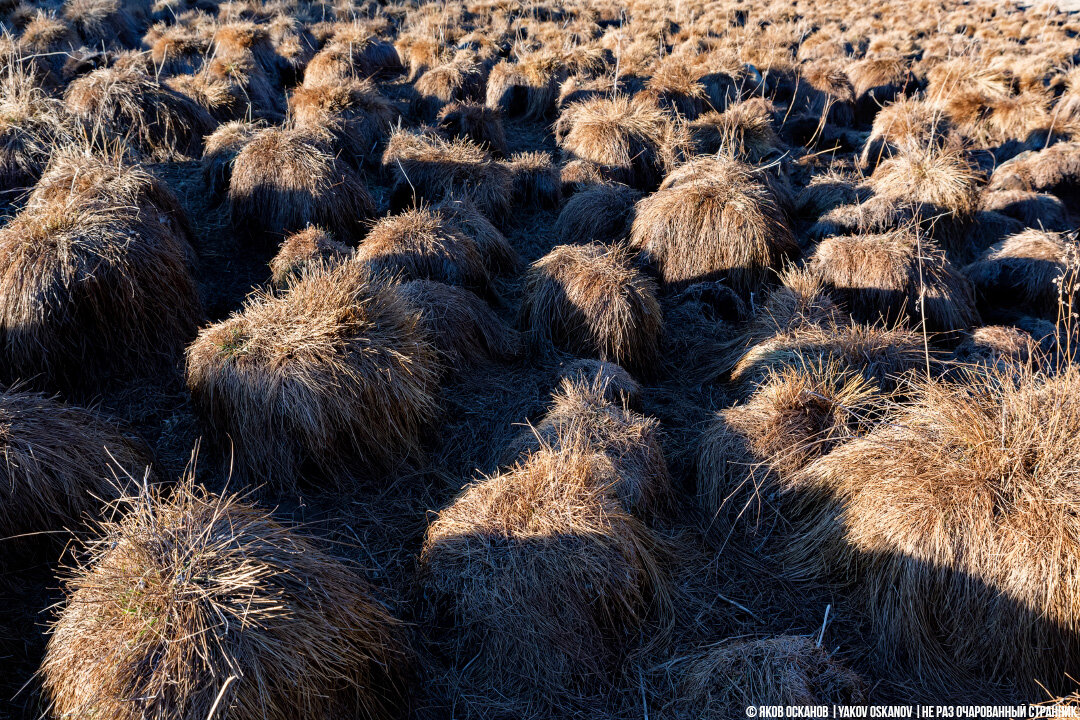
357 116
893 277
543 575
959 508
464 329
284 180
590 410
590 299
97 281
631 139
881 355
426 167
722 680
195 601
797 414
62 464
422 244
714 217
1027 270
476 123
310 247
597 214
336 373
160 124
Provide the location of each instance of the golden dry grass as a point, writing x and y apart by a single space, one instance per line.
193 601
714 217
955 519
336 372
284 180
590 299
542 574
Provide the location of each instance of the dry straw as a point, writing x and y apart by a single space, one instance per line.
284 180
336 372
61 465
545 578
714 217
591 300
189 603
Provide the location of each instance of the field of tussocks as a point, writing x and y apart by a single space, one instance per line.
513 359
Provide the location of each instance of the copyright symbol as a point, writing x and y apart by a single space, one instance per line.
751 711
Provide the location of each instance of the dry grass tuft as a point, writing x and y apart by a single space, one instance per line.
476 123
942 178
895 276
1041 210
528 87
880 355
31 125
999 347
587 412
219 154
617 386
798 413
354 112
428 167
590 299
96 282
536 179
743 131
631 139
1024 274
61 463
351 59
825 93
1055 169
284 180
459 79
193 602
955 522
160 124
310 247
676 85
421 244
499 255
602 213
722 680
879 81
544 577
902 126
714 217
337 372
465 331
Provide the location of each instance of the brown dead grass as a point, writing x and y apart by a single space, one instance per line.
422 244
62 463
1025 272
713 216
428 167
724 679
284 180
193 601
630 138
956 521
544 577
589 299
96 282
895 276
464 329
160 124
310 247
336 372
